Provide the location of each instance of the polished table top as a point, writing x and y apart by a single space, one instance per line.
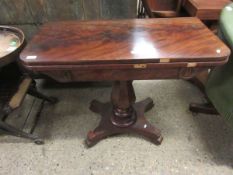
205 9
124 41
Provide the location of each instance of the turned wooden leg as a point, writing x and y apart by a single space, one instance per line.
123 97
123 115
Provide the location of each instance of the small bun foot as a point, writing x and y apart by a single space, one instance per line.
158 141
93 137
89 144
90 140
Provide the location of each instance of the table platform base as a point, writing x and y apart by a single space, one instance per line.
131 120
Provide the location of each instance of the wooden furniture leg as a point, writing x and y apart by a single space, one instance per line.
205 108
200 80
35 93
123 115
27 86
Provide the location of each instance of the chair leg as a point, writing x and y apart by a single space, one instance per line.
141 10
10 130
17 132
5 112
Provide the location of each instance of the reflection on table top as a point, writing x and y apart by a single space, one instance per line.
123 41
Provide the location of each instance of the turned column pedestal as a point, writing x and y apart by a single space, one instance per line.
123 115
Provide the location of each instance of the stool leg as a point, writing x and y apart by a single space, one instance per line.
5 112
10 130
34 92
141 10
16 132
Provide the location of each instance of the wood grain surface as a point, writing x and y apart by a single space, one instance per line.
124 41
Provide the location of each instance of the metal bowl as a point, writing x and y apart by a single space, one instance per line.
12 41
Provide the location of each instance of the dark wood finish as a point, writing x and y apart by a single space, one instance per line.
204 9
115 50
123 51
125 115
206 108
123 97
162 8
124 42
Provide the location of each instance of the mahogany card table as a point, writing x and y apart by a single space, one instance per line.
122 51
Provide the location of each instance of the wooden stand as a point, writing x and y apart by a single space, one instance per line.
26 86
123 115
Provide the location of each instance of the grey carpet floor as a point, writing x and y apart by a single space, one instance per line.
201 144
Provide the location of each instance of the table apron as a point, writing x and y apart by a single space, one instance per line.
121 75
